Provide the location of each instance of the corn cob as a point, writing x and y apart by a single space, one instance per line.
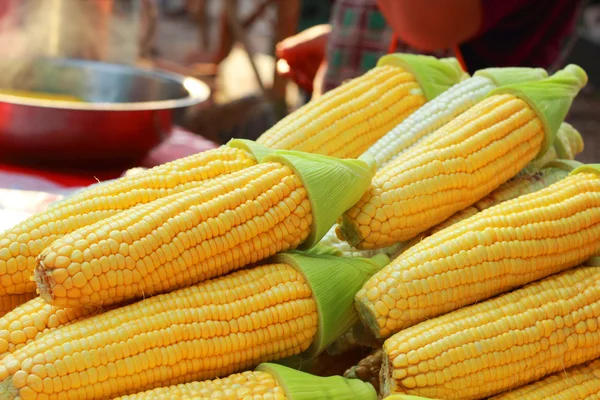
347 120
407 397
505 246
34 319
462 162
11 301
204 232
581 382
532 178
524 183
267 381
499 344
20 245
367 370
448 105
297 304
436 113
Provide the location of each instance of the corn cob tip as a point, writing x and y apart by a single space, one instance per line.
44 281
8 390
300 385
333 186
258 150
333 281
367 315
348 230
434 75
511 75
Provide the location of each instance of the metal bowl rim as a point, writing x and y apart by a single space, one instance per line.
200 94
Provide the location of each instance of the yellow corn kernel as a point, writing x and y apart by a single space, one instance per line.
33 320
212 329
581 382
346 121
20 245
498 344
528 181
449 170
9 302
178 240
500 248
246 385
267 381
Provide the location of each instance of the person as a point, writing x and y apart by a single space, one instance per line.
480 33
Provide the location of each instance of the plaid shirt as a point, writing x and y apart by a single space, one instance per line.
359 37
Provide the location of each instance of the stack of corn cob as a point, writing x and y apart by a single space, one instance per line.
178 281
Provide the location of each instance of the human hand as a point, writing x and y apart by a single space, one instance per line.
301 55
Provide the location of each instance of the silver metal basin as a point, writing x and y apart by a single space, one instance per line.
125 112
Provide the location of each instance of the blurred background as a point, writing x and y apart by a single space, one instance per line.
227 44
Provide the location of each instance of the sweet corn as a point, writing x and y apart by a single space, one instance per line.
215 328
461 162
499 344
268 381
33 320
205 232
447 106
528 181
346 121
503 247
20 245
581 382
9 302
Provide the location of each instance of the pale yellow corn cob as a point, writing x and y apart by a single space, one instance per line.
505 246
498 344
581 382
20 245
431 116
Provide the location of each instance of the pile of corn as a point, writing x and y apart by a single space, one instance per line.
436 217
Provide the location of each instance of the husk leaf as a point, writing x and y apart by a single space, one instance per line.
333 185
434 75
550 98
512 75
299 385
334 282
259 151
590 168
